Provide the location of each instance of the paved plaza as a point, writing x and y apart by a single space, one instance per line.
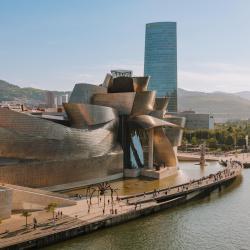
13 230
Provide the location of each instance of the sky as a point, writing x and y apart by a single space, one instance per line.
53 44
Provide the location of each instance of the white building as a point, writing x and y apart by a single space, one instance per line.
197 120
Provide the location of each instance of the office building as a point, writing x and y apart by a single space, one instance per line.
160 62
50 99
197 120
65 98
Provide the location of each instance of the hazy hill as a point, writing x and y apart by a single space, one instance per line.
9 92
244 94
219 103
222 105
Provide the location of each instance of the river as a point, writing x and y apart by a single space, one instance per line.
219 221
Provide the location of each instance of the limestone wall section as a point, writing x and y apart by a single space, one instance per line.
32 200
5 203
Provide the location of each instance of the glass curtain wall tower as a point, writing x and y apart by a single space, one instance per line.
160 61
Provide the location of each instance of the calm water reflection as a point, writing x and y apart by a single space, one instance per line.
187 170
220 221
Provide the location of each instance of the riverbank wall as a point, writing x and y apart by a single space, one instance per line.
83 227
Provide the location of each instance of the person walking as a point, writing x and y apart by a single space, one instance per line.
34 223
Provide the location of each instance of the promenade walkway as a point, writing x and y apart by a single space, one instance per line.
233 169
84 214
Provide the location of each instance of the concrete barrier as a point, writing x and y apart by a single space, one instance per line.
33 199
5 203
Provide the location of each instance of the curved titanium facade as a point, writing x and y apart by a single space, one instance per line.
98 141
149 122
122 102
85 115
121 84
161 103
175 134
49 173
140 83
126 84
83 92
163 150
143 103
62 153
107 81
27 137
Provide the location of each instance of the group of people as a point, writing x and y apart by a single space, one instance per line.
227 172
212 178
58 215
78 196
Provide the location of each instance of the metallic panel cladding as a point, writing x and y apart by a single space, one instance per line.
121 84
149 122
85 115
27 137
122 102
140 83
143 103
161 103
83 92
163 150
175 134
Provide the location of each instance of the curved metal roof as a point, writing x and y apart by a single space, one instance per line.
149 122
83 115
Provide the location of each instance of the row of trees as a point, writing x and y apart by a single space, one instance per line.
100 188
225 136
50 208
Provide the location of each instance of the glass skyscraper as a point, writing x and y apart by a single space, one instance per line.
160 60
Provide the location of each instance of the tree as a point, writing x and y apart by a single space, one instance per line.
26 214
51 208
241 141
212 143
229 140
194 140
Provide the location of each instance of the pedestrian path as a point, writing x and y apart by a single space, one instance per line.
232 170
86 212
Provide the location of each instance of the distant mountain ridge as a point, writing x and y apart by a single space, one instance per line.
9 92
221 104
244 94
231 106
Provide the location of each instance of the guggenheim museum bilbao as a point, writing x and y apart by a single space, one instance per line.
117 129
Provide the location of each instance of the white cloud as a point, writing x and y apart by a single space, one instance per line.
215 77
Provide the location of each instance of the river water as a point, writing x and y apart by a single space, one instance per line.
218 221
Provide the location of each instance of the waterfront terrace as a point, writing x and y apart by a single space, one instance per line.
86 217
213 180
